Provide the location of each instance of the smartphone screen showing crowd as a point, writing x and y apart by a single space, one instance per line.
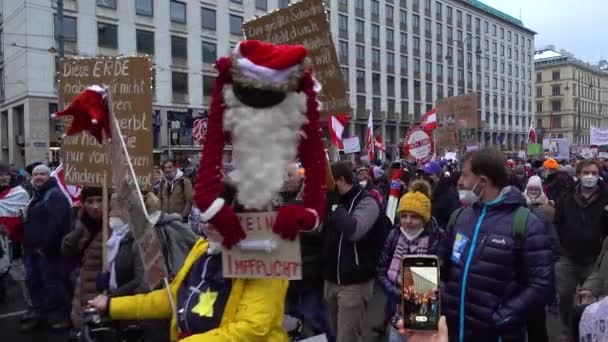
420 301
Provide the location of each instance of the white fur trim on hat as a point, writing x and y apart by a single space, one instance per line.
263 74
213 209
535 181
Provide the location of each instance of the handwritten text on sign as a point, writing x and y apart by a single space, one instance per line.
129 83
282 261
305 23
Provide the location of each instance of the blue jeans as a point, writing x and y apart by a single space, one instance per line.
46 283
308 306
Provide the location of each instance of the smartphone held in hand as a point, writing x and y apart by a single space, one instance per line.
420 302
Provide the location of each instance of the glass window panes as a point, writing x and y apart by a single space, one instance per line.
70 32
283 3
178 12
209 52
179 82
261 4
208 18
144 7
107 3
179 47
236 21
145 41
107 36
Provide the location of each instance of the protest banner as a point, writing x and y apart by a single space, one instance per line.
603 155
457 121
534 149
418 145
598 136
351 145
129 81
306 23
588 152
263 254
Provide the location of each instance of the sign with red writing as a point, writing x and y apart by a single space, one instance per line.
418 145
263 254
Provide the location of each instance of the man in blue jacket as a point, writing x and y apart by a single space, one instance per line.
47 221
492 279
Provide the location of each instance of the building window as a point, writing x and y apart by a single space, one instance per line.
144 41
557 122
343 52
375 10
403 42
539 107
390 39
376 84
179 49
107 36
360 104
416 24
70 31
403 20
494 30
178 12
144 8
360 56
261 4
404 63
360 31
390 86
283 3
375 35
179 83
107 3
556 75
404 88
438 10
208 18
390 62
359 8
389 15
556 90
209 52
236 21
360 81
556 105
375 59
208 81
539 91
345 78
343 26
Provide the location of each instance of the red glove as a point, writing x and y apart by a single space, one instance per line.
228 225
291 219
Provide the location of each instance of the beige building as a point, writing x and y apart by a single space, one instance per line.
571 96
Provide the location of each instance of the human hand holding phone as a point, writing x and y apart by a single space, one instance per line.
441 335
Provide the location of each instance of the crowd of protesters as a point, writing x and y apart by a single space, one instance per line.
513 237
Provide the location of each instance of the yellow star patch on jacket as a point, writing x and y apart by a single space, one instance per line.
204 308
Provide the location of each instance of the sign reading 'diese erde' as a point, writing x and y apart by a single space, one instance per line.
129 82
305 23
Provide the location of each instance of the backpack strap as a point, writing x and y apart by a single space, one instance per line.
520 220
454 218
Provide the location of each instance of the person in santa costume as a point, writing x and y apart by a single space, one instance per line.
264 103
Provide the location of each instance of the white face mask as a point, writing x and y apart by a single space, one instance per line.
467 196
363 183
589 181
115 222
411 235
214 248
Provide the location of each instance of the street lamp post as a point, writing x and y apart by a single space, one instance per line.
579 127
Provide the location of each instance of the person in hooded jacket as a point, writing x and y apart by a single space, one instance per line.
175 191
558 182
417 234
492 281
445 196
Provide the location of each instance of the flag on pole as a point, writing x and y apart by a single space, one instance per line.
336 125
370 139
532 134
551 122
393 199
428 121
379 144
71 192
199 130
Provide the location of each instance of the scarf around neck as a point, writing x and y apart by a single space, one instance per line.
113 246
417 246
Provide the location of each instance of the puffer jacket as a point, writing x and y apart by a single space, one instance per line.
253 312
84 242
490 281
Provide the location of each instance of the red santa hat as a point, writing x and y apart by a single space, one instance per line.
259 71
89 112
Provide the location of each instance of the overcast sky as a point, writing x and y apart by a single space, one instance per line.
579 26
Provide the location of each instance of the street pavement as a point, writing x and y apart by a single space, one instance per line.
10 312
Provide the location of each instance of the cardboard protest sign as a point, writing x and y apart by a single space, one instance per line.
418 145
129 81
534 149
588 152
351 145
267 255
457 121
603 155
306 23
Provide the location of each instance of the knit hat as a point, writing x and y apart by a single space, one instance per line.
417 200
42 168
535 181
551 164
90 191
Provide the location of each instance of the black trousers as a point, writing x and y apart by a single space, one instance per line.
536 327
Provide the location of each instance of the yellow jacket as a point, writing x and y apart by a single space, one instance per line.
254 310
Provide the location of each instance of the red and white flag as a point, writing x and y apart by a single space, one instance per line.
532 134
428 121
199 131
379 144
370 141
71 192
336 126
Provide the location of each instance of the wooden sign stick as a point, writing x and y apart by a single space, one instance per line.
104 221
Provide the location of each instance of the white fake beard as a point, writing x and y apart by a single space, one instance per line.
264 141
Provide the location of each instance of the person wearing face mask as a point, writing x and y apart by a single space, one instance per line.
582 223
208 307
417 234
175 191
496 265
84 244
